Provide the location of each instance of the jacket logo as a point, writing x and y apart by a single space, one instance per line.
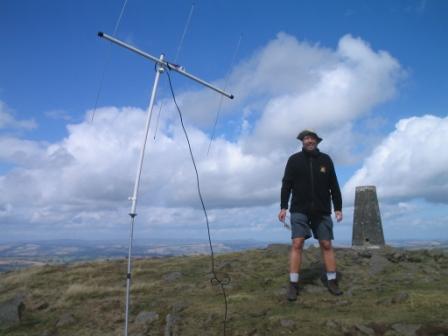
323 169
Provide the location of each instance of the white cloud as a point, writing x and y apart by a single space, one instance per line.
7 119
84 180
22 152
414 219
59 115
410 163
342 89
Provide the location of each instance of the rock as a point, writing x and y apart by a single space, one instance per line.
406 329
314 289
434 329
380 328
281 292
332 324
258 313
50 333
400 297
178 307
365 330
170 326
412 268
225 267
65 320
287 324
173 276
252 332
210 318
342 303
365 254
415 259
40 305
397 256
378 264
267 281
351 290
146 317
11 312
384 302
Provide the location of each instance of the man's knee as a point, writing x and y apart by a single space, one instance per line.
325 245
297 244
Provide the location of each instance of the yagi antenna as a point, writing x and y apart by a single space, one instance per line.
161 66
164 64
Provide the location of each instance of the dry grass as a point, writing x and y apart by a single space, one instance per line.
82 291
93 293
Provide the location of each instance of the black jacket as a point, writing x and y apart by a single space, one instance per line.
311 178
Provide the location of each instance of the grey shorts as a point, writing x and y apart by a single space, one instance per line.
320 225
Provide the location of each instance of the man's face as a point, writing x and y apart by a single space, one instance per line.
309 142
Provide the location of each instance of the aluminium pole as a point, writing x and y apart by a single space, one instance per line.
134 196
166 64
161 65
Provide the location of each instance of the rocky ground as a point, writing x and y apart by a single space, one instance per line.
386 292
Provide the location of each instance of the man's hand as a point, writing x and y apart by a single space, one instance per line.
282 215
338 215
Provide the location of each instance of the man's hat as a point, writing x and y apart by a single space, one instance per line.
306 132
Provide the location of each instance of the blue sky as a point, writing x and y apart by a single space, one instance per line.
369 76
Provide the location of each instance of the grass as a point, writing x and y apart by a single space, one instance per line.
94 292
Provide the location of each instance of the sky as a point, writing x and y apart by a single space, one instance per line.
370 77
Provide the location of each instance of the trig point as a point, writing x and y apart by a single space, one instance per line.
367 227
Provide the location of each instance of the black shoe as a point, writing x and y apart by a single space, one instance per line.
293 291
333 287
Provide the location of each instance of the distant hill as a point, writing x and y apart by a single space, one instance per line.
386 292
19 255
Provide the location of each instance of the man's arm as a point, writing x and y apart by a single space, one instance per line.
282 215
338 215
336 195
287 183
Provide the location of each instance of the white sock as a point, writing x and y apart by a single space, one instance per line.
331 275
294 277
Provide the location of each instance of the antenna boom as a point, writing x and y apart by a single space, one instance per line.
168 65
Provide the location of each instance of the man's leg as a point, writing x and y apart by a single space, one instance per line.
329 259
295 261
328 255
295 256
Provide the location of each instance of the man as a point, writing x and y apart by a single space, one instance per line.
311 178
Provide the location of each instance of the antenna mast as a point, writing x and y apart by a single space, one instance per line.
161 64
